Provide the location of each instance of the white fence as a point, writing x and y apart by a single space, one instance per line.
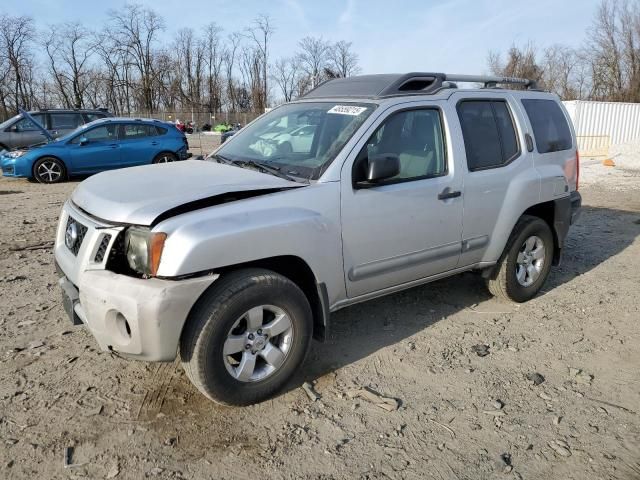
599 125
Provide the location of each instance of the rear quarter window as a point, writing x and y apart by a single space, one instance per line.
550 127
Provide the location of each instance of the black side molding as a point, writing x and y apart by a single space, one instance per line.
321 325
566 212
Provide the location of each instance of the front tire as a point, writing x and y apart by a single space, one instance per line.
246 336
165 157
49 170
525 263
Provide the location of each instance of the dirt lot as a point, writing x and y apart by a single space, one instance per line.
461 415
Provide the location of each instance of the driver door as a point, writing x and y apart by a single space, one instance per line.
100 152
407 227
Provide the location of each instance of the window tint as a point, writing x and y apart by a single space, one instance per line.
105 133
550 128
66 121
415 137
161 131
134 130
25 125
489 134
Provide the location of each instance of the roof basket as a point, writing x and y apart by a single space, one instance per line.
416 83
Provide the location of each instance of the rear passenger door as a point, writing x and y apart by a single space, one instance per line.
139 144
499 180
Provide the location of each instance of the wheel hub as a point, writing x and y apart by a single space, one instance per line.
258 343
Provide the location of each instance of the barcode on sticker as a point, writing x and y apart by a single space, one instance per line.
347 110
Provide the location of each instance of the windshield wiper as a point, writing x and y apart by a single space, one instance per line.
269 169
255 164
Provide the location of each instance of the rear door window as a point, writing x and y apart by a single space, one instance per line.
133 131
489 134
65 121
550 127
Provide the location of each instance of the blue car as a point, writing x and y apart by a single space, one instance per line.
101 145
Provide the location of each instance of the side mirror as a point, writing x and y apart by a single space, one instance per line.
84 140
380 167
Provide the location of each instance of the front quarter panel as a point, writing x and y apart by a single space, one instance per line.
302 222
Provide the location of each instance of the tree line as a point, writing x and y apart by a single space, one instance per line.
129 66
606 67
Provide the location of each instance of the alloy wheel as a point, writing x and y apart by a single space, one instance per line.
258 343
49 171
530 261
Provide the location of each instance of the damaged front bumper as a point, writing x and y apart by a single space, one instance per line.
140 318
137 318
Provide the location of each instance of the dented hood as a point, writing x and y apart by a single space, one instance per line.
139 195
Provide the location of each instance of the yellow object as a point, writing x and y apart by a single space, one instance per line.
608 163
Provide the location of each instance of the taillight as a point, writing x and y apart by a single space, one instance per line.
577 169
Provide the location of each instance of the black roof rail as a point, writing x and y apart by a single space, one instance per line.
415 83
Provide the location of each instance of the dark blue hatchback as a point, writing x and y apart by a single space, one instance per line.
101 145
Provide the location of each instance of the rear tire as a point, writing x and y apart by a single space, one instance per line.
246 336
525 264
49 170
165 157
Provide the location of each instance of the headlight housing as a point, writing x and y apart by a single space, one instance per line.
143 249
15 153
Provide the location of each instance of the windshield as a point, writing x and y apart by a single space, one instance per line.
299 139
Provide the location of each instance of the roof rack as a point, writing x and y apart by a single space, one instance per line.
415 83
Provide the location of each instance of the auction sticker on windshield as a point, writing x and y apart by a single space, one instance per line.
347 110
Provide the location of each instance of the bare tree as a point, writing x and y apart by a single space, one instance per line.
313 58
286 72
136 30
69 48
16 39
260 33
213 63
343 62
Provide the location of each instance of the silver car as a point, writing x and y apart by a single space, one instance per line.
19 131
235 263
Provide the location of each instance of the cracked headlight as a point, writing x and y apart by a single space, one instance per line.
144 249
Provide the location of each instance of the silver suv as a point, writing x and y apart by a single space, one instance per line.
366 186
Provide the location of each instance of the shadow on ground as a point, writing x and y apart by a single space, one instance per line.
360 330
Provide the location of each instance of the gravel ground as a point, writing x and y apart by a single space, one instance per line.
547 389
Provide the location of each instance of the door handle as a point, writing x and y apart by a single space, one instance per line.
114 145
154 143
447 193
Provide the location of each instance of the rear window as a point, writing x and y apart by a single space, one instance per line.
550 127
489 134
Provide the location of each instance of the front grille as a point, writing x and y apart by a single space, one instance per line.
81 231
8 170
102 248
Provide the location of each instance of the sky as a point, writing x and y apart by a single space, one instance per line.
390 36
